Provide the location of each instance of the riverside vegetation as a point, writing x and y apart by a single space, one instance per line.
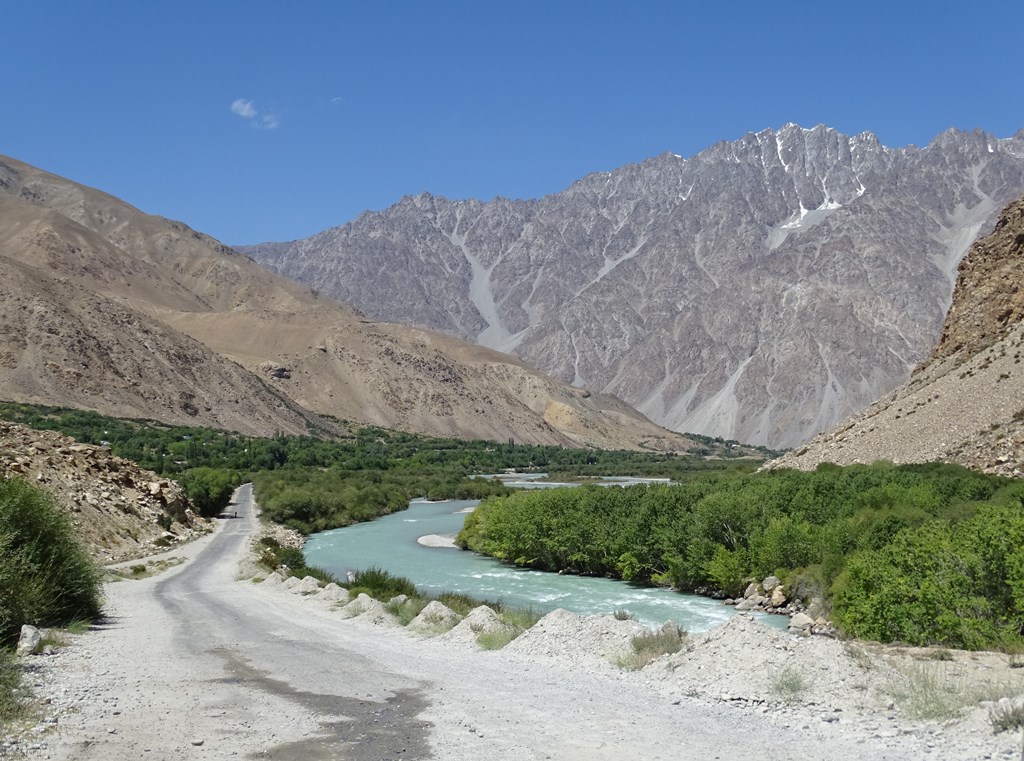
922 554
313 484
399 595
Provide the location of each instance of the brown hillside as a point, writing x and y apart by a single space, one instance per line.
988 301
130 314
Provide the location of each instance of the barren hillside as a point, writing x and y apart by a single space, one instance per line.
112 309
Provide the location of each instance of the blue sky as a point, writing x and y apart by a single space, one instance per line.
261 121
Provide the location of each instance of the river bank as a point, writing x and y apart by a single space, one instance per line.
196 663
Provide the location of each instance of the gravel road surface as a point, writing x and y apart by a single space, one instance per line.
194 664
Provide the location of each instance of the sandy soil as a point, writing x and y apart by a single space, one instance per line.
194 663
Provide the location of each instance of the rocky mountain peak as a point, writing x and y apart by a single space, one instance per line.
761 290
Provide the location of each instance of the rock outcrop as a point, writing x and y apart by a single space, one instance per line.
965 403
119 510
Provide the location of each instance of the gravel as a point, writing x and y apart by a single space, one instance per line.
253 670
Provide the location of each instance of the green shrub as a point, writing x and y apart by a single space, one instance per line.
46 578
320 574
11 691
210 489
463 604
520 619
291 557
789 684
497 639
381 585
650 645
407 610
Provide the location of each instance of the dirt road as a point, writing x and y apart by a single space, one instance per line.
195 664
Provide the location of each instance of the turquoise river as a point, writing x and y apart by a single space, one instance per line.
390 543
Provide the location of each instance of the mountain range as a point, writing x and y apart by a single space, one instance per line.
965 402
105 307
761 290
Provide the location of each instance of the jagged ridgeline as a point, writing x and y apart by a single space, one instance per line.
761 290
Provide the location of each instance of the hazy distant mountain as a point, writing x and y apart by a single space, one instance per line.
761 290
965 403
102 306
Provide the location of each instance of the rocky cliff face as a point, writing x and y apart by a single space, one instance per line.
761 290
965 403
104 307
119 510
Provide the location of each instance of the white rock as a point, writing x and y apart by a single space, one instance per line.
801 621
778 596
28 642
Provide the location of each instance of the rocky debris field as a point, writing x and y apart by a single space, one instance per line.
119 510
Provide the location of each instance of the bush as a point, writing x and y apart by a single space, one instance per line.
46 578
381 585
291 557
651 645
789 684
927 692
11 691
497 639
1006 716
406 611
210 489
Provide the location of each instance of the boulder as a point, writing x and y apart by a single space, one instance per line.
770 583
801 622
778 596
29 641
398 600
751 590
745 605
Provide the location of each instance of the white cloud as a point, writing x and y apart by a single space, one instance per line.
243 108
247 110
337 99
